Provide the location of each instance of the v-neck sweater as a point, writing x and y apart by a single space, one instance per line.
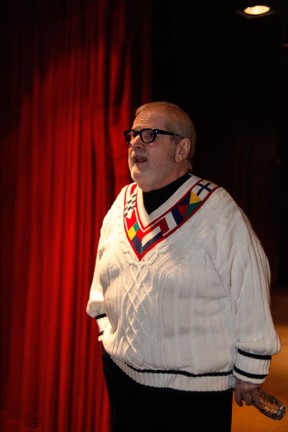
181 313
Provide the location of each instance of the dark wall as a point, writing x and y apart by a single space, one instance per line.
230 73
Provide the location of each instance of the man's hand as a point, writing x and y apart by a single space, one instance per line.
246 391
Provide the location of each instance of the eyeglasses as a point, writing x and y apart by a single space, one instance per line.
147 135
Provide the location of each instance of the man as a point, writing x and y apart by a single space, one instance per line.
180 290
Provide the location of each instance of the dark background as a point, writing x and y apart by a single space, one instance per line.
231 74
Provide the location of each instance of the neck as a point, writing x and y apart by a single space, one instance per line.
154 198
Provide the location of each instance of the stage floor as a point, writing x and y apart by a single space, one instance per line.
248 419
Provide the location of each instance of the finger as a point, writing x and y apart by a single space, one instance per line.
248 397
238 397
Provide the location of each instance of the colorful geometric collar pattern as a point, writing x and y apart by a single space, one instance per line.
144 238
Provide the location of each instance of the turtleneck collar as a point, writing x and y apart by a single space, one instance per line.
154 198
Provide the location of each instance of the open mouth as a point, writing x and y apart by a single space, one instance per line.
139 159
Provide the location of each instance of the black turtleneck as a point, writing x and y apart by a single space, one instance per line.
154 198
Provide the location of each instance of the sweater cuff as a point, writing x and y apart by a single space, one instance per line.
102 322
251 367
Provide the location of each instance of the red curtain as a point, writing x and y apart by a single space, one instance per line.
72 74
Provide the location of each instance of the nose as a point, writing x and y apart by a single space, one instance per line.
136 142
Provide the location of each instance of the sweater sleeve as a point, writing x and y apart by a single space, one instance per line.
95 307
244 270
256 337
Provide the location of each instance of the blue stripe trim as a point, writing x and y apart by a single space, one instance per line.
249 375
255 356
179 372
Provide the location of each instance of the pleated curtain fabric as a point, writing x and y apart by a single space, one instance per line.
71 77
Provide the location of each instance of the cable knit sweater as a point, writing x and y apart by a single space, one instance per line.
181 296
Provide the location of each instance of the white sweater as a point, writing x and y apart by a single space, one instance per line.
181 296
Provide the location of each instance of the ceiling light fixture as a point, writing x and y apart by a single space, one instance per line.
257 10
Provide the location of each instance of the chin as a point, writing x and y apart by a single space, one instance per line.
136 175
144 185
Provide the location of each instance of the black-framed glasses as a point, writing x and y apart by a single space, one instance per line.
147 135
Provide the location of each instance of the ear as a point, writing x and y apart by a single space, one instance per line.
182 150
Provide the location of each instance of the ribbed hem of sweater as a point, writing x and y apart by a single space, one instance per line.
220 381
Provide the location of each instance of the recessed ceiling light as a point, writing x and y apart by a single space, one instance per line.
257 10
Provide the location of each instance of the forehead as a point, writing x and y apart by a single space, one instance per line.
153 119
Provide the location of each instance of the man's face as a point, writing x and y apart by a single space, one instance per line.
153 165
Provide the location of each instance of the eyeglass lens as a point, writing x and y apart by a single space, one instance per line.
147 135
